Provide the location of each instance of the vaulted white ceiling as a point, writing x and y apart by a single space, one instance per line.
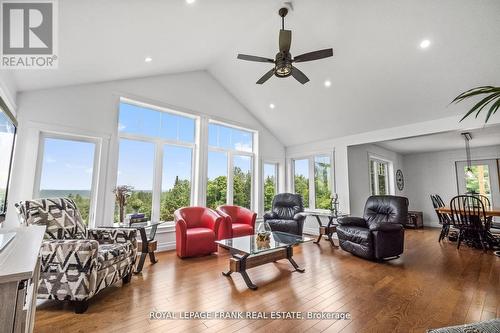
379 75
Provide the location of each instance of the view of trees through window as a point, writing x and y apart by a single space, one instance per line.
67 168
233 145
135 168
153 139
480 183
301 179
176 180
217 179
322 189
322 184
270 184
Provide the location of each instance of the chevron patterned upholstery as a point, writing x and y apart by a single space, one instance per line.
77 262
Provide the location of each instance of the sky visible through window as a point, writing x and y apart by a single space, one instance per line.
67 165
301 167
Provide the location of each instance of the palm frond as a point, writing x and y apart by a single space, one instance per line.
493 97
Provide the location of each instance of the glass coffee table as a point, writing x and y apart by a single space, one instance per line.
248 252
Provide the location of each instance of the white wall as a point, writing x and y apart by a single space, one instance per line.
434 172
359 179
8 90
92 110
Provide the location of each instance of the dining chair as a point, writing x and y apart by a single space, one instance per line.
444 219
469 217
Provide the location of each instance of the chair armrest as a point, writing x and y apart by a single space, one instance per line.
80 253
385 226
249 216
300 217
113 235
210 219
270 216
352 221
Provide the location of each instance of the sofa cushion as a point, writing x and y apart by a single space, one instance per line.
288 226
241 229
356 240
109 254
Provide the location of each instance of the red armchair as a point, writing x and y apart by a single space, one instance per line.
196 230
240 221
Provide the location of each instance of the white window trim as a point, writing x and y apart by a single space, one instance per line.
390 173
97 141
159 144
312 189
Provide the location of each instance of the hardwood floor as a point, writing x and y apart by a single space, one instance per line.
431 285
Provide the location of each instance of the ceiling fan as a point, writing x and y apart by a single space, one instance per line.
283 61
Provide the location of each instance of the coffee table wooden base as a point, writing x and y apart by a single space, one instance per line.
239 263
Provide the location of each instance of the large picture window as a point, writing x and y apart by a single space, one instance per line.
312 178
230 166
156 159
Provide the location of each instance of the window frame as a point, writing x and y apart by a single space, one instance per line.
390 175
159 144
95 168
230 153
312 188
5 109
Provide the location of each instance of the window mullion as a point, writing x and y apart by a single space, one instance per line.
157 176
312 187
230 163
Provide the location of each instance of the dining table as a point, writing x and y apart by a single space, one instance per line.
492 240
489 211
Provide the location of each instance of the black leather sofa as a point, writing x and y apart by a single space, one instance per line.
287 214
380 233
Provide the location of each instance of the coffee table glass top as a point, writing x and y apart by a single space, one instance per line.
251 244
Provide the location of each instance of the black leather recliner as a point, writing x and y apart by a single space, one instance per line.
380 233
287 214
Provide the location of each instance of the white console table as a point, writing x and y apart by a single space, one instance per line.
19 274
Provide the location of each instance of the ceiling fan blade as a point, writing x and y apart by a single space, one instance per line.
285 40
266 77
315 55
299 76
254 58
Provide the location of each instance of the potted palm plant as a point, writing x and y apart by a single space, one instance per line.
491 98
122 193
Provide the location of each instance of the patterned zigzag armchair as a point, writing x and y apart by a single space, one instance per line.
77 262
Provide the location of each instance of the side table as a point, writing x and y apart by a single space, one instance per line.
148 244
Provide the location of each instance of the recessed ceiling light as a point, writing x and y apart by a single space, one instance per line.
272 106
328 83
425 44
190 2
148 59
